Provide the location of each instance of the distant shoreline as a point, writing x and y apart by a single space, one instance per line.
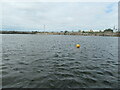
114 34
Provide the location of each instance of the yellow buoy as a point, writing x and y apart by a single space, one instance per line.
77 45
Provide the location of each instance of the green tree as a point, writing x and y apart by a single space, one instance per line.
79 30
110 30
83 31
65 32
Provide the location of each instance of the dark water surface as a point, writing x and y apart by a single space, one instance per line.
53 61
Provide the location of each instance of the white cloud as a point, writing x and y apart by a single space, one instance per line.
60 0
59 15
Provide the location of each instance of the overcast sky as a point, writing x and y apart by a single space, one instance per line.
59 16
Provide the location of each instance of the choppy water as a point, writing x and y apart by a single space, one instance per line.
53 61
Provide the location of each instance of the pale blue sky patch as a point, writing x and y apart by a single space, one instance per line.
110 7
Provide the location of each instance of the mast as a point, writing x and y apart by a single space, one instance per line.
44 28
114 28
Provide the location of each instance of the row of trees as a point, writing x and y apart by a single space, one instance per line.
91 31
64 32
17 32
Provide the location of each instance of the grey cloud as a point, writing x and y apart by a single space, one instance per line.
59 16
